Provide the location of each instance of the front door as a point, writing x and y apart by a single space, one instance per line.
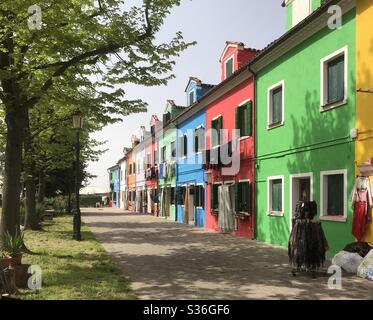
304 189
191 210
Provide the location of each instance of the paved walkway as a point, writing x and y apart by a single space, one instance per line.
165 260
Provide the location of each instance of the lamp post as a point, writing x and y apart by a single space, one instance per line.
77 125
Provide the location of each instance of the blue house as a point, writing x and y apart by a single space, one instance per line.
190 179
114 178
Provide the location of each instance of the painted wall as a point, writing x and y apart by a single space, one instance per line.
168 136
115 181
364 80
151 184
131 180
123 184
310 140
190 171
226 106
140 176
289 11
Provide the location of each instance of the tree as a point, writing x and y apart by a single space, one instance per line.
78 44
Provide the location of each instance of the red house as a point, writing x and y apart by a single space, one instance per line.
230 107
151 162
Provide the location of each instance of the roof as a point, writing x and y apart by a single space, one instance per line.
263 52
198 82
238 45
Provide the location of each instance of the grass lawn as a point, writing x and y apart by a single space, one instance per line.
73 270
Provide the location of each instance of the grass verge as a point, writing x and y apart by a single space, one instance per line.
73 270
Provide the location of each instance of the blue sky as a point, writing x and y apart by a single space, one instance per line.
210 23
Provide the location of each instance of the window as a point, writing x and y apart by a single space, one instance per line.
181 191
173 149
192 97
199 197
334 79
216 127
275 196
156 157
183 146
229 67
243 197
121 175
199 141
214 197
163 159
334 195
244 119
276 105
134 168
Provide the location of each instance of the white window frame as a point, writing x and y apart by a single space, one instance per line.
269 197
323 195
231 57
213 119
194 91
279 84
241 105
197 128
324 106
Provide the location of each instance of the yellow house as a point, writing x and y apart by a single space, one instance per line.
364 87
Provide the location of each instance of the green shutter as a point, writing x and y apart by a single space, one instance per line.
238 120
249 117
336 79
220 127
229 68
212 142
238 195
203 197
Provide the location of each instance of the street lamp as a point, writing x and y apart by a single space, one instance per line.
77 125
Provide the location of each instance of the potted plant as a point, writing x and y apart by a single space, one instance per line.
12 250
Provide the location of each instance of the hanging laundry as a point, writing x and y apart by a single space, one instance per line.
226 218
361 200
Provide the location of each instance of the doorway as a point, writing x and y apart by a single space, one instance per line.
301 189
191 208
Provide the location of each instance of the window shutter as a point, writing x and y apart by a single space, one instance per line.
220 127
202 197
335 195
249 117
238 120
238 197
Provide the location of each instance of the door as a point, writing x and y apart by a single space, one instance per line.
304 189
191 210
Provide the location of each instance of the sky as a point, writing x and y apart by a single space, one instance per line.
211 23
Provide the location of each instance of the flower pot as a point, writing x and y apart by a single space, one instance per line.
11 261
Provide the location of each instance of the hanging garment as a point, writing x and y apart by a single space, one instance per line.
361 192
226 219
161 169
149 197
359 220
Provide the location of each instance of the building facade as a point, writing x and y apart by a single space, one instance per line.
167 162
305 112
191 134
114 178
230 134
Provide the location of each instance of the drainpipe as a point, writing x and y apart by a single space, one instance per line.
255 153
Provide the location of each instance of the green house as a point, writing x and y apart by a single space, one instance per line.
305 111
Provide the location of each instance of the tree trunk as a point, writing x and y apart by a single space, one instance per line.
41 192
31 217
10 216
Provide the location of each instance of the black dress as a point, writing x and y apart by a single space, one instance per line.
307 243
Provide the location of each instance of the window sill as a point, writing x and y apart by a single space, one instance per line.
327 107
275 125
333 218
275 214
244 138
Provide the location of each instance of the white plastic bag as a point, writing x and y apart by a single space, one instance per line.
365 269
348 261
